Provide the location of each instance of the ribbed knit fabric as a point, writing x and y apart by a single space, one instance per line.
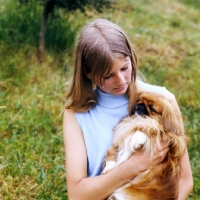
97 125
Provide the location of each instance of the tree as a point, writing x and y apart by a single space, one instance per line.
69 5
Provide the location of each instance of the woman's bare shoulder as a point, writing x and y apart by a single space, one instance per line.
68 113
168 95
69 120
69 117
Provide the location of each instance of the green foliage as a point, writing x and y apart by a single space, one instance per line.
19 30
60 32
15 27
191 3
73 4
166 37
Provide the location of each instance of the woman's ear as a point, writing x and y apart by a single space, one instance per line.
89 76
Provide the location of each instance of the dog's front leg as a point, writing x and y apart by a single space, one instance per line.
131 143
137 140
110 161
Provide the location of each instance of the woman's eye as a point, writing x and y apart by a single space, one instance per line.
124 68
107 77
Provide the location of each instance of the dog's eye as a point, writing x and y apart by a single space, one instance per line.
152 109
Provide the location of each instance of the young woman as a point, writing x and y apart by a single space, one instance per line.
105 75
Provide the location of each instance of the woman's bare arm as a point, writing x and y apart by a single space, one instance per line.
99 187
79 185
186 181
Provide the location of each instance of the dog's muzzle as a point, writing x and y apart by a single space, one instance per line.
140 109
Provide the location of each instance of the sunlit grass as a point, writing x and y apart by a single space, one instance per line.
32 158
165 35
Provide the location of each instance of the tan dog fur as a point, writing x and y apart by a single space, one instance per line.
133 132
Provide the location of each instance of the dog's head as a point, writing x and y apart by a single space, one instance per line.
158 107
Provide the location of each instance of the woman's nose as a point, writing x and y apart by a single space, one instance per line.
120 79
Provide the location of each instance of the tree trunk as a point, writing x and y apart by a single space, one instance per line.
48 8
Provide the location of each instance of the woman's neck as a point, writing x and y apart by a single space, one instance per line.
109 100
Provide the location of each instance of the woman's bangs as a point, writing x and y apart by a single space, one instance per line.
103 63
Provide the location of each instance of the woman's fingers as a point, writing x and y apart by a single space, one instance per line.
161 153
163 145
147 160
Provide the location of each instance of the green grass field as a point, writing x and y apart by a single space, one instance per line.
165 35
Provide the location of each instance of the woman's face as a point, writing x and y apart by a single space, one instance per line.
117 81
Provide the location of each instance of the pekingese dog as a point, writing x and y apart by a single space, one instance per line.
152 119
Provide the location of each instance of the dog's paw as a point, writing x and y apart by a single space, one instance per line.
112 198
109 166
137 140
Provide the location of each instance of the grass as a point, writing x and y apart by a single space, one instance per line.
166 37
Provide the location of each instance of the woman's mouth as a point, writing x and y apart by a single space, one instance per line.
120 88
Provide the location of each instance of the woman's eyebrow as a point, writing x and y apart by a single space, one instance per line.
127 62
125 65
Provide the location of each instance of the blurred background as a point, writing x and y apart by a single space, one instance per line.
37 39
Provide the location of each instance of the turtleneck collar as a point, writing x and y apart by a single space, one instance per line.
109 100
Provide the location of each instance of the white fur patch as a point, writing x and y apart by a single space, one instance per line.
120 195
124 153
137 140
109 166
131 143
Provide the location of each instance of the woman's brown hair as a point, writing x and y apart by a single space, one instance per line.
99 43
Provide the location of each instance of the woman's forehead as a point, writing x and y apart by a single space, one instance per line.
119 60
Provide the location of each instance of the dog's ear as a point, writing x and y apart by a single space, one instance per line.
134 97
171 118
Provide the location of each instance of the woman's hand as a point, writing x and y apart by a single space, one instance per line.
144 161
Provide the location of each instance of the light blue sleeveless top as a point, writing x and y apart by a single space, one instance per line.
97 125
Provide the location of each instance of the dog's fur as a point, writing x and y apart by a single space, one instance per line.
151 119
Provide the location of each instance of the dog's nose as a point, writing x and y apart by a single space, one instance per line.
140 109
